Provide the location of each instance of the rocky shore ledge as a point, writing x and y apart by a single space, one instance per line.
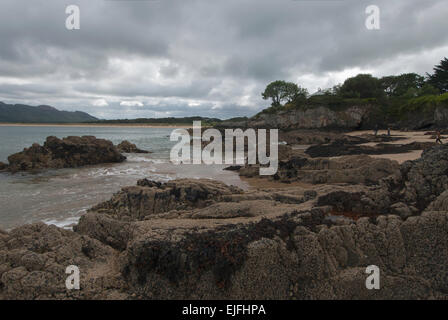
69 152
202 239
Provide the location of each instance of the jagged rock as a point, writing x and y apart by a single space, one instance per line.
201 239
418 183
294 255
440 203
65 153
403 210
3 166
149 197
34 258
283 253
360 169
127 147
350 169
427 177
311 118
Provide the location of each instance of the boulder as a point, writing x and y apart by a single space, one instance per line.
3 166
151 197
65 153
127 147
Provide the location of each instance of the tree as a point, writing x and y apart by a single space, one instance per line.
439 79
404 84
362 86
282 91
428 89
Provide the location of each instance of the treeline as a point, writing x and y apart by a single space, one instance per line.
396 96
169 120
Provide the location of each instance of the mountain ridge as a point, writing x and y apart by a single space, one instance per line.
22 113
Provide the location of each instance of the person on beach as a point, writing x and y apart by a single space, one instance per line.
438 137
376 130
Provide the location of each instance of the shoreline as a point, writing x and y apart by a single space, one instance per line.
93 125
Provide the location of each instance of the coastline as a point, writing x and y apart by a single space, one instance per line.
93 125
266 227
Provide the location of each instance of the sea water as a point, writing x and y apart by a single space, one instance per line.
61 196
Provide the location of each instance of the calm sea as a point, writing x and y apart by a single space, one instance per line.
60 197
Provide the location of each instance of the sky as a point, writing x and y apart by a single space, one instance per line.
212 58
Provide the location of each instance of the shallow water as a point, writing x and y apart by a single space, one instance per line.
60 197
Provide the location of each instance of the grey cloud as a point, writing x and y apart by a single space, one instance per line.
217 54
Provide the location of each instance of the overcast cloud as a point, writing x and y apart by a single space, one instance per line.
200 57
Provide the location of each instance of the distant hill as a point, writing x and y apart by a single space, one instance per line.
41 114
170 120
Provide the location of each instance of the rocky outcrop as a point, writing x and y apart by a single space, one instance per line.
312 118
150 197
65 153
294 256
414 189
3 166
201 239
360 169
426 178
34 259
349 117
436 118
341 148
311 137
127 147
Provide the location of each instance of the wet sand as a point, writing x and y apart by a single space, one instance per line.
408 137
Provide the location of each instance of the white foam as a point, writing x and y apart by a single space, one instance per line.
65 223
144 159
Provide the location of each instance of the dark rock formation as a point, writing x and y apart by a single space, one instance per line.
408 192
150 197
201 239
310 137
233 168
312 118
341 148
65 153
34 258
3 166
360 169
127 147
426 178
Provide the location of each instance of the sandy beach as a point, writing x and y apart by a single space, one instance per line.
408 137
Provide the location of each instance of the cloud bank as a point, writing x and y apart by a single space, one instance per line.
210 58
